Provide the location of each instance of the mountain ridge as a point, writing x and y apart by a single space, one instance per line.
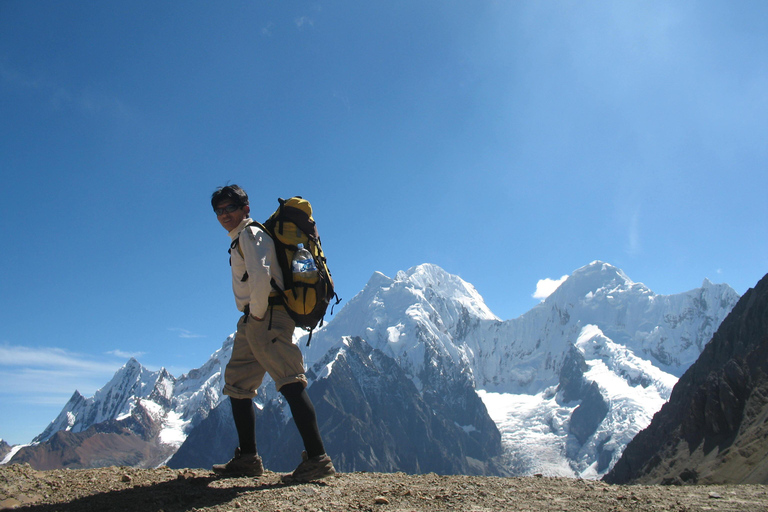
713 428
437 329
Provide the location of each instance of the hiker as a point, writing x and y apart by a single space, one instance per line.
263 344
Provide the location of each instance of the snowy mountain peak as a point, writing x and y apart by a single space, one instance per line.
378 280
595 279
398 315
433 278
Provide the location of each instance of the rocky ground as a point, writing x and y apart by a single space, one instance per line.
163 489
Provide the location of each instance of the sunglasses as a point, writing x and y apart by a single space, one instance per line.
227 209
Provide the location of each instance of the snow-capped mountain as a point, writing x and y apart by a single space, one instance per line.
130 386
568 384
176 404
424 309
634 343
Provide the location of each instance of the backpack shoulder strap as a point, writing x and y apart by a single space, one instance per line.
236 244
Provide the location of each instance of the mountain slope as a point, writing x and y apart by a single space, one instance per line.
713 429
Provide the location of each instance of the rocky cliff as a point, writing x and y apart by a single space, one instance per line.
714 428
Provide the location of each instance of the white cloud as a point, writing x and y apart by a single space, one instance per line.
183 333
545 287
49 375
304 20
125 355
51 357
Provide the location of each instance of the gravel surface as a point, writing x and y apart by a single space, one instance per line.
168 490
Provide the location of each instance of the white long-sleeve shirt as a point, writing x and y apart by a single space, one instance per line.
259 259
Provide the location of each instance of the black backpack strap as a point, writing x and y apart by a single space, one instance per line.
236 245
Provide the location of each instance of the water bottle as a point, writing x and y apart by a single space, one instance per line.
303 264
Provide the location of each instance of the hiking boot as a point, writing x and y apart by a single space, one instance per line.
248 464
315 468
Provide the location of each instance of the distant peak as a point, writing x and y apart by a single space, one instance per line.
426 268
426 272
434 279
429 275
76 396
603 269
378 280
599 266
593 277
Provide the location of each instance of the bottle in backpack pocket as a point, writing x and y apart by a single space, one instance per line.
303 264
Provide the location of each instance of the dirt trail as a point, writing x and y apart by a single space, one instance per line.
167 490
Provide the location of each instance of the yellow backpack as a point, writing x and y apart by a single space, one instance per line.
305 298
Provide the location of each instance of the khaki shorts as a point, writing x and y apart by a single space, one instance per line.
258 350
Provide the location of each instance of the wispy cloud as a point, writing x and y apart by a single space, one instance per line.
124 354
183 333
49 375
50 357
60 97
266 31
304 21
545 287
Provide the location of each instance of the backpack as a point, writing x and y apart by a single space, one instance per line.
305 299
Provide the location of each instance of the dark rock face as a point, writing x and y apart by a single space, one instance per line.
713 429
589 414
372 418
572 384
5 449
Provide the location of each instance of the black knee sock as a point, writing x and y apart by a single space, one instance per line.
245 423
304 416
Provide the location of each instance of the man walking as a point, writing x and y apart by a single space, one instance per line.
263 344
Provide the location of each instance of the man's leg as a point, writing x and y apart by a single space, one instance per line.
242 377
272 345
316 464
304 416
245 423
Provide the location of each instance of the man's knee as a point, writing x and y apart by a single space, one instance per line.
292 390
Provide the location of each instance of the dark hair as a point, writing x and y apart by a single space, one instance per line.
229 192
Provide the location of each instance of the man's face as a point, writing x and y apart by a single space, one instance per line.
230 220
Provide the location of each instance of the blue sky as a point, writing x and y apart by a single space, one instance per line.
507 142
